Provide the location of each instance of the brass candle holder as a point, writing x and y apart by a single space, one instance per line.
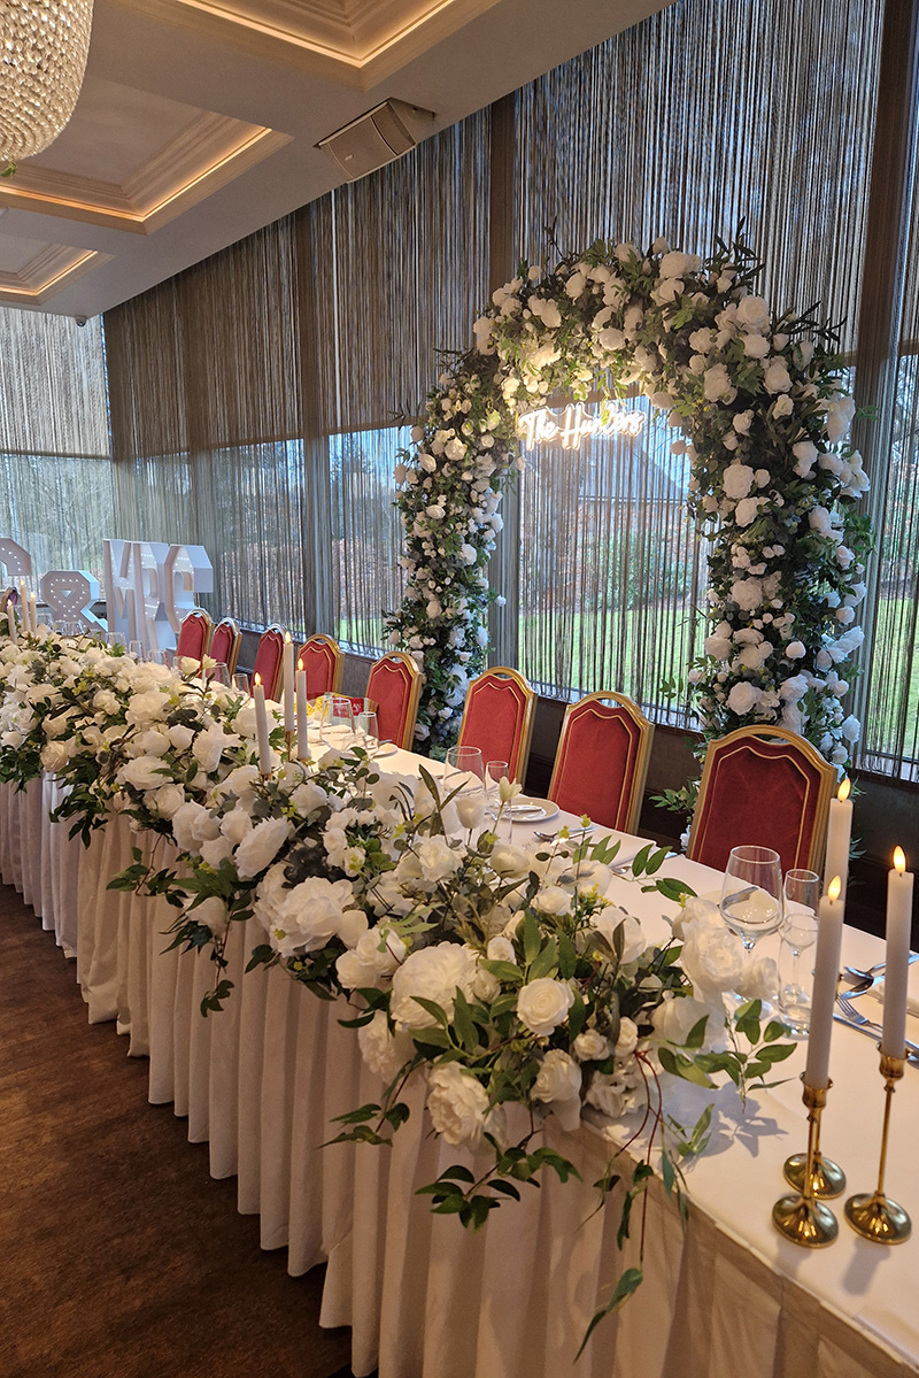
801 1218
873 1215
290 738
827 1178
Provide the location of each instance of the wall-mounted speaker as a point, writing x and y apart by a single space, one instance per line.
380 136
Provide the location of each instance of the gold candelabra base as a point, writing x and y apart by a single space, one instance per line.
800 1217
872 1214
805 1221
827 1178
877 1218
290 739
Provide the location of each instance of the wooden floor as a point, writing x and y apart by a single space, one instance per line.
120 1257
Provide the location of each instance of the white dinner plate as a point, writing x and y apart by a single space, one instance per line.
527 810
387 749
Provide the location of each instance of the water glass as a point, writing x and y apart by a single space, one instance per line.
136 649
219 674
339 720
802 892
751 896
368 730
495 772
466 760
796 974
241 683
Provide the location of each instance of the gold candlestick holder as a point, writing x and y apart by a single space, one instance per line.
827 1178
801 1217
290 738
872 1214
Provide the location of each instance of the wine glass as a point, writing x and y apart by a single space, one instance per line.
241 683
219 674
799 932
136 650
465 780
802 892
466 760
751 896
495 772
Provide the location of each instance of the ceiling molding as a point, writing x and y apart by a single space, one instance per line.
211 152
358 49
51 270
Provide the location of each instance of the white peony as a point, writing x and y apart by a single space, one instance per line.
384 1052
260 846
435 973
558 1083
737 480
743 698
458 1106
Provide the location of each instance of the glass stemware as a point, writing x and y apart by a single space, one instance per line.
339 721
368 730
799 933
241 683
751 896
465 780
219 674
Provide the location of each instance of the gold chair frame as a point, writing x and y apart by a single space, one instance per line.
276 629
646 736
529 712
199 615
827 774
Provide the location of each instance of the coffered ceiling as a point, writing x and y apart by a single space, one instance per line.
199 119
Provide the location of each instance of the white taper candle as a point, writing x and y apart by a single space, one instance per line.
838 839
261 726
826 975
289 719
302 715
896 975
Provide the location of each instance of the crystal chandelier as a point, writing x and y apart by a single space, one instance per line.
43 47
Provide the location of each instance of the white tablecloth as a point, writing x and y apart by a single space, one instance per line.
263 1080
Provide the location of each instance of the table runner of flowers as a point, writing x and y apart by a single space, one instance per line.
498 972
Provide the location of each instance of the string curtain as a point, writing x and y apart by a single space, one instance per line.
399 271
55 477
682 127
204 373
891 728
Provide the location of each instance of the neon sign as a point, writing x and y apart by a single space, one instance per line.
568 427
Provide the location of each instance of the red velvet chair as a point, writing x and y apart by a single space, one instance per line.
194 635
601 763
766 786
498 718
395 685
322 660
224 647
269 659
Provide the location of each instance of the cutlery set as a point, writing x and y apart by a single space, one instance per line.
853 1018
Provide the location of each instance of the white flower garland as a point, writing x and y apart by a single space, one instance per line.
761 413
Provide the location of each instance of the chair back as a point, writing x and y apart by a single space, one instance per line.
601 762
194 635
224 647
498 718
269 658
323 662
394 683
766 786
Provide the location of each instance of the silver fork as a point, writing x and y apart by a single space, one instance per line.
856 1020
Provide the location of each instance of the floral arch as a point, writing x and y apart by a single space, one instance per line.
759 406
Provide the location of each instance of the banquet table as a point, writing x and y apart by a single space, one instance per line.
263 1080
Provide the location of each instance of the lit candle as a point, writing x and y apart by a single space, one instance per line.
261 726
826 974
899 924
11 619
838 837
288 683
302 718
33 613
24 607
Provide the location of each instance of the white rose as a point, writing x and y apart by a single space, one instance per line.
718 384
220 849
627 1041
747 593
260 846
500 949
776 377
146 708
674 1019
236 825
144 772
436 859
168 799
712 957
384 1053
795 650
210 745
212 912
611 918
191 825
591 1046
759 980
458 1105
434 973
552 900
507 860
558 1083
746 511
753 314
543 1004
850 729
56 755
737 480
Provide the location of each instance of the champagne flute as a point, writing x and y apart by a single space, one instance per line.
751 896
